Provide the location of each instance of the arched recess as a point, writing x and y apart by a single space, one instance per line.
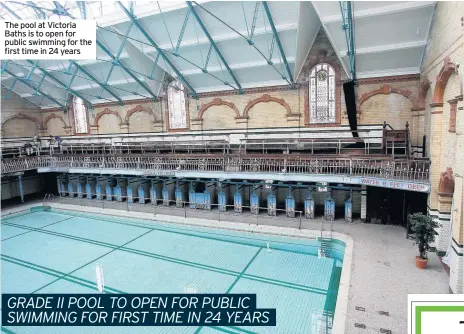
54 125
450 145
217 102
385 90
143 123
424 87
264 116
265 98
428 119
108 121
442 79
394 108
221 115
107 112
25 126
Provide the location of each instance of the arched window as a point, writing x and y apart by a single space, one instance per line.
81 123
322 94
177 106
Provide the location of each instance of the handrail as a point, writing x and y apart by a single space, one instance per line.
47 198
378 167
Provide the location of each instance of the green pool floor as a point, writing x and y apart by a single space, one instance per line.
56 252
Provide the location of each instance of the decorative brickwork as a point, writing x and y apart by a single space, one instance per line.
107 112
424 87
49 117
387 89
265 99
217 102
246 91
138 108
24 116
446 185
452 120
442 79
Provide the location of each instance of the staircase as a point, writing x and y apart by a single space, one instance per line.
47 198
325 248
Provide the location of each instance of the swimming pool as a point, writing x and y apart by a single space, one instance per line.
56 252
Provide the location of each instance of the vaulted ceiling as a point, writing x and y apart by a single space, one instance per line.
212 46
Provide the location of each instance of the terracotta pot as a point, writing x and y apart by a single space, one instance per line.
421 263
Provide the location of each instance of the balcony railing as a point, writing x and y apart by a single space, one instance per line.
385 168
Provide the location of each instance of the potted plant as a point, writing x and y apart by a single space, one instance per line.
424 231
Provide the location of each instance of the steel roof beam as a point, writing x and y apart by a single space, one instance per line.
160 51
118 55
60 10
10 89
347 26
38 11
61 83
9 10
214 45
117 62
5 64
51 76
36 88
277 39
82 9
249 41
104 86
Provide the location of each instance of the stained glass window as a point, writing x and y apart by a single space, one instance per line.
176 106
322 94
80 115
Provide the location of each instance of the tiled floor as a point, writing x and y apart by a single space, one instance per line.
383 274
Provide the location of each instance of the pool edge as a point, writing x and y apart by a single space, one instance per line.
341 307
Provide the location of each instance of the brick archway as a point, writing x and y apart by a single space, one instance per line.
50 117
24 116
387 89
265 99
442 79
424 87
137 109
107 111
217 102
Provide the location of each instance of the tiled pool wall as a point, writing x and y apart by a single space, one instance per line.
286 239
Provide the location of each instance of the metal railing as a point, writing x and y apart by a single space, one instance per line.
182 209
47 198
384 168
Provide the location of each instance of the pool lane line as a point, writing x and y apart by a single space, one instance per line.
17 214
6 330
143 253
243 271
185 262
137 251
237 330
285 284
56 273
27 227
168 229
188 234
101 256
188 263
219 329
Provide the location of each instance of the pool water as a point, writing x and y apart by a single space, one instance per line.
57 251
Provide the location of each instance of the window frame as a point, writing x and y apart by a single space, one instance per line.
330 91
337 92
72 103
185 104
